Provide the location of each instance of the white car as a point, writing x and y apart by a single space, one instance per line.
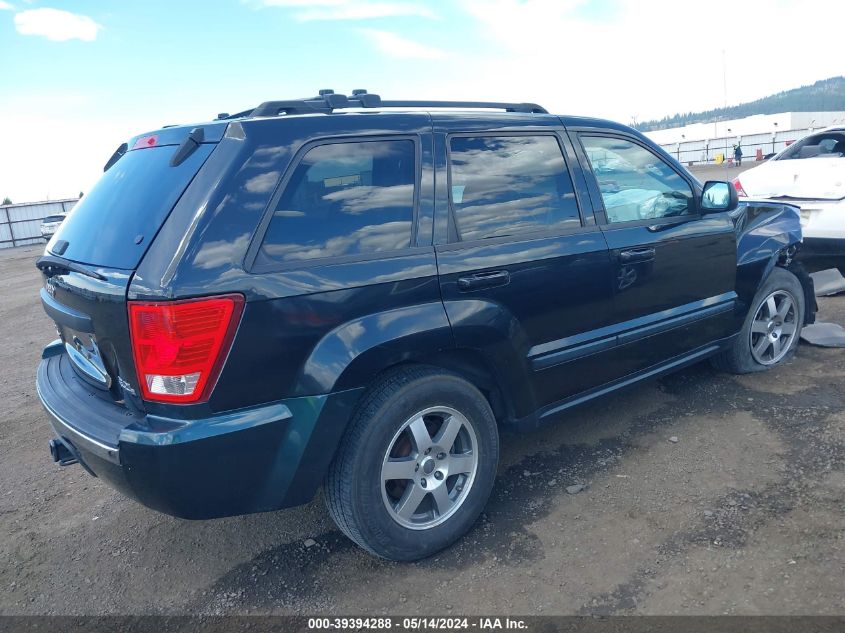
810 174
50 225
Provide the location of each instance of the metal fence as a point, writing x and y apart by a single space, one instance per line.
20 224
702 152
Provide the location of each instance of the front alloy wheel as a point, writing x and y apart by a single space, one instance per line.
773 328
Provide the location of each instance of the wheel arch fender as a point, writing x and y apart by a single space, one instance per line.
483 373
500 343
768 235
353 353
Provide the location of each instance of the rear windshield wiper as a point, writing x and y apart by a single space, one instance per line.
47 263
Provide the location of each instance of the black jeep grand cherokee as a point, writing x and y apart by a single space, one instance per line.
360 293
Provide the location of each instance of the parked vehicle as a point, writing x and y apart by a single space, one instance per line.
50 224
362 298
810 174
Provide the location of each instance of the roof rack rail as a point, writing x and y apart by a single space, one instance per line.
328 101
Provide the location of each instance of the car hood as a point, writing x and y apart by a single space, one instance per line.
808 178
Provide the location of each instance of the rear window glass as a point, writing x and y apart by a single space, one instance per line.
344 199
131 200
54 218
506 185
823 145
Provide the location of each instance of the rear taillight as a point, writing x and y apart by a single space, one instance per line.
180 346
738 186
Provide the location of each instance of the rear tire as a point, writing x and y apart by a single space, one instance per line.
772 328
416 466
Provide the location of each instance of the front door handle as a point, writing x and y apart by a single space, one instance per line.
636 255
484 280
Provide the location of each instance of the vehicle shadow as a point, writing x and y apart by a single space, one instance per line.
534 471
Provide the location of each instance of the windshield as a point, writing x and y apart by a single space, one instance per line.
821 145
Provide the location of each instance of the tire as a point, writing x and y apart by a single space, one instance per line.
762 343
446 488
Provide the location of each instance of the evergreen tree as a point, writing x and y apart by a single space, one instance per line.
827 95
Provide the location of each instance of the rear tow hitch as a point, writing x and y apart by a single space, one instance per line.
62 454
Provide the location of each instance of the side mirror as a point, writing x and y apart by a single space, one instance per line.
718 196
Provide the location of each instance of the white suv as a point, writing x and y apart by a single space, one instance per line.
50 225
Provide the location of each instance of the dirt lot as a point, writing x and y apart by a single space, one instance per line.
743 514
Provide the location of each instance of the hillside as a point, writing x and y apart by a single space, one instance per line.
823 96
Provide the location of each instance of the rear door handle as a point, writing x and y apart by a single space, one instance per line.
636 255
484 280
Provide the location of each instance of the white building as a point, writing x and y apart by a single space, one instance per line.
758 135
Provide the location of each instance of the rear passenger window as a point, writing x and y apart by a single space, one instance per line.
344 199
506 185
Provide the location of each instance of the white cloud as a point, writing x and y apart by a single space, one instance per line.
400 47
625 58
55 118
56 25
296 3
366 11
348 9
5 6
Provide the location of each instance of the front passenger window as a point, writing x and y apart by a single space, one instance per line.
636 184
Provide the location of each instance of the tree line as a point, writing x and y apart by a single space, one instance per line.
827 95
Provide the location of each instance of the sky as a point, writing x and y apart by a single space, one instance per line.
79 78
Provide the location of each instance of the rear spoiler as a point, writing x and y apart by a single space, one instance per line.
187 138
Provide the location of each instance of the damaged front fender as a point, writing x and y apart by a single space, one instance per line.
768 234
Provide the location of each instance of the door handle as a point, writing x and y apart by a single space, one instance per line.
484 280
636 255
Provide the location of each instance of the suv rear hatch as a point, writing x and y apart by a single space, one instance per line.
89 263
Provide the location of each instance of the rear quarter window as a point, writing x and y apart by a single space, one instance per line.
344 199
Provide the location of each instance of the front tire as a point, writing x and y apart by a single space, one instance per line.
416 466
772 328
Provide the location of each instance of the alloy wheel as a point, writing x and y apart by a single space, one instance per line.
429 468
773 328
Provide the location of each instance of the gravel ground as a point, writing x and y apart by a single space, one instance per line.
704 494
721 172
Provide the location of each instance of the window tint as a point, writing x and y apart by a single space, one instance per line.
505 185
345 199
636 184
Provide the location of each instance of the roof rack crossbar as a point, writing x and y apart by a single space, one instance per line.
328 101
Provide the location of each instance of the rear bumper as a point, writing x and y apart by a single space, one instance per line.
822 247
820 219
250 460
